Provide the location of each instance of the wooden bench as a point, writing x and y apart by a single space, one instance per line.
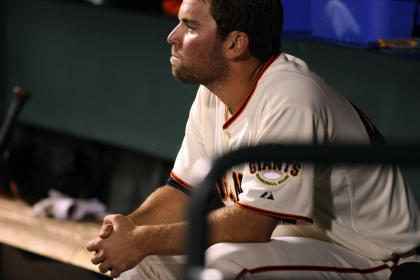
63 241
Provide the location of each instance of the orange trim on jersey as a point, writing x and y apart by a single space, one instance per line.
275 214
254 86
318 268
180 181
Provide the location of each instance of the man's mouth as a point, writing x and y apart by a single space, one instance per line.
174 58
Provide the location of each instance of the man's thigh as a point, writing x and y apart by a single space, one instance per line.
293 258
281 258
157 268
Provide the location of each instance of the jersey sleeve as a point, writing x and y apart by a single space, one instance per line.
283 190
186 171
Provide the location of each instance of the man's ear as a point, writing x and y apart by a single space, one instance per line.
236 45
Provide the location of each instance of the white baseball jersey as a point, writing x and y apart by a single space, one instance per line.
367 209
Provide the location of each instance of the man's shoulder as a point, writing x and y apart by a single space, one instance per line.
294 87
290 82
288 68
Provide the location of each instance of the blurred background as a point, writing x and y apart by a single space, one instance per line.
102 93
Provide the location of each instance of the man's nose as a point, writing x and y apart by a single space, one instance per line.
173 37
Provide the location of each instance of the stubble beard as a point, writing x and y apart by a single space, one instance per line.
210 70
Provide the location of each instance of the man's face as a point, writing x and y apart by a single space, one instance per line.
196 51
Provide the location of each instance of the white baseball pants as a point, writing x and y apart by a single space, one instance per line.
281 258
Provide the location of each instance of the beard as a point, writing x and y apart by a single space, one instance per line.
207 69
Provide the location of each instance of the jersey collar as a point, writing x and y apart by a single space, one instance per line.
266 65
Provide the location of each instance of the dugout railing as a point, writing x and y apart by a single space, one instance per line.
403 155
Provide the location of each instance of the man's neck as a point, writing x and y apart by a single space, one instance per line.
236 87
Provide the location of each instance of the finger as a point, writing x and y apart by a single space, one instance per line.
105 266
106 231
115 273
98 258
92 245
117 270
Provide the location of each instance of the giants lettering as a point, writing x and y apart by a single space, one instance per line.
255 167
272 165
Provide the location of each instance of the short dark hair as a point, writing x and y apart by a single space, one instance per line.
261 20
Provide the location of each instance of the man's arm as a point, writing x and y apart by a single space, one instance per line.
165 205
129 243
235 224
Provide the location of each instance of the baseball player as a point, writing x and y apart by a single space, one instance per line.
282 220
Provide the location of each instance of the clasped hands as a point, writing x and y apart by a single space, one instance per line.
119 246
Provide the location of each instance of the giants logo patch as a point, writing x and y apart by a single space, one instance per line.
274 173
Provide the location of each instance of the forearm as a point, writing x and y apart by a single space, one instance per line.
165 205
233 224
166 239
227 224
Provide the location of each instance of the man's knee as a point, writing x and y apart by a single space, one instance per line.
223 251
229 258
